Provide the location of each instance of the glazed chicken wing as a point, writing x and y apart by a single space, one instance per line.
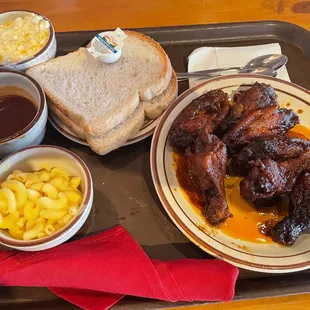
276 148
269 179
204 113
207 167
257 97
260 124
298 219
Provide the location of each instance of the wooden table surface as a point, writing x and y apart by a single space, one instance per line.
69 15
94 14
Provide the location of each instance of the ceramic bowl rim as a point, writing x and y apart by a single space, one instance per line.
39 113
87 199
41 51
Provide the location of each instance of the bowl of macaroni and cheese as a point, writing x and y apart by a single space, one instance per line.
26 39
46 194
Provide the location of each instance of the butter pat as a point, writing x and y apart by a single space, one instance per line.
107 46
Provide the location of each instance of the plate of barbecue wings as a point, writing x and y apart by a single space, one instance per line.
230 161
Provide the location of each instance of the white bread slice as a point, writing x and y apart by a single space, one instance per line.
155 107
119 135
100 96
77 130
114 138
144 57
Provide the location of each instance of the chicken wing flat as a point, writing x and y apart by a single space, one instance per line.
204 113
298 219
257 97
207 167
276 148
269 179
260 124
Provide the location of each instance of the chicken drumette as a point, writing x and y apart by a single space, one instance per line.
298 219
257 97
204 113
260 124
269 179
276 148
207 167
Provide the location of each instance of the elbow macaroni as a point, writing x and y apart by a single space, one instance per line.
19 189
36 205
10 199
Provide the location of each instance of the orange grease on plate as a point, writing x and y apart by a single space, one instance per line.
246 218
299 131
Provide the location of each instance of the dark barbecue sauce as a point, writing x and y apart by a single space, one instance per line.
16 112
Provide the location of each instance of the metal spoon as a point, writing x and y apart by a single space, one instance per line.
273 61
198 75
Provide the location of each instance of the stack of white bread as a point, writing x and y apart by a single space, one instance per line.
106 104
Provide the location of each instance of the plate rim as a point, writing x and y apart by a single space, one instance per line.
171 212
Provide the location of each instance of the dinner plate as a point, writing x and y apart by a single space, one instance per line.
272 258
146 130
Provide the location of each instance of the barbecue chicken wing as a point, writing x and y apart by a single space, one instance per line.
298 219
257 97
204 113
207 167
276 148
269 179
260 124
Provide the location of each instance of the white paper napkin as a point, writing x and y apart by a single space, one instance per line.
218 57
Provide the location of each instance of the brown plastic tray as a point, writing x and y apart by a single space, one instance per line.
124 191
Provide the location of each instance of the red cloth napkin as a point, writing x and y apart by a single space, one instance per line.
95 272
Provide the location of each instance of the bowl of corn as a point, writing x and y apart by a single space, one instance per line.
26 39
46 194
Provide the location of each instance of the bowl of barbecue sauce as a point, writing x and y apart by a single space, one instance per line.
23 112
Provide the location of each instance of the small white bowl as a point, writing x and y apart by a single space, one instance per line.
34 132
46 53
47 156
